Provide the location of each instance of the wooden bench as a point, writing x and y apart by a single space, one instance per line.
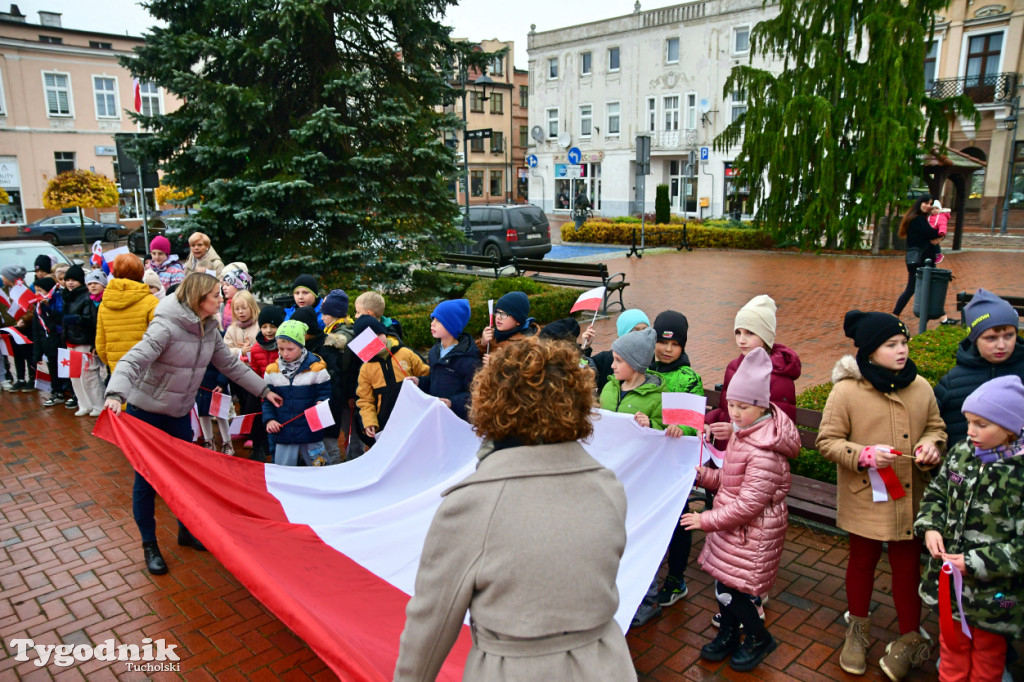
470 261
963 298
808 498
581 275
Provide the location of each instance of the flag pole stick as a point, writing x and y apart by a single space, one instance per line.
396 363
591 324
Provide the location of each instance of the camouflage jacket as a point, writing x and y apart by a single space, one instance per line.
979 510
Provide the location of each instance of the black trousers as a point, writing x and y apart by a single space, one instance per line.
739 607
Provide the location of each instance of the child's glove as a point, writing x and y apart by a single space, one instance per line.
867 458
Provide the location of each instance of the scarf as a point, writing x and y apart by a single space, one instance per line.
246 325
500 336
267 345
1005 451
665 367
290 369
96 298
885 380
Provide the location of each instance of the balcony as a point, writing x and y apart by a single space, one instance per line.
993 88
674 139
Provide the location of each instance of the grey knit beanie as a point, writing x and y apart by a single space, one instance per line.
13 272
637 348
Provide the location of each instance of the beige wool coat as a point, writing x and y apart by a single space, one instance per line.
857 415
530 545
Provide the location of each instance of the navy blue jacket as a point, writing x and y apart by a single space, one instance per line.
310 385
451 375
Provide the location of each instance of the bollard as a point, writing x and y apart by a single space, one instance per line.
926 285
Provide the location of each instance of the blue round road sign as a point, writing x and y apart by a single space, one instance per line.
575 155
531 160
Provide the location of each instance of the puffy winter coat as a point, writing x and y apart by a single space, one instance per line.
782 391
379 383
541 607
311 385
857 415
288 312
263 353
970 372
210 263
79 317
125 313
162 372
680 380
644 398
746 530
170 272
451 375
976 508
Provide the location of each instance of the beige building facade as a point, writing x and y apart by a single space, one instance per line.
63 97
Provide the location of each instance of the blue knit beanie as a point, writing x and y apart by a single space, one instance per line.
629 319
516 304
453 315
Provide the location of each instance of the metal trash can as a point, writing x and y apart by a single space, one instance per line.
938 284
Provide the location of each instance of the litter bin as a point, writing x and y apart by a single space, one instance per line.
938 283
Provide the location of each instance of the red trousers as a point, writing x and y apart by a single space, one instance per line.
904 557
981 659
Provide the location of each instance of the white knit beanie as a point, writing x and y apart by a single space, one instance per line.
758 316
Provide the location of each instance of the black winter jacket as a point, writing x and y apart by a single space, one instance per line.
451 375
79 317
970 372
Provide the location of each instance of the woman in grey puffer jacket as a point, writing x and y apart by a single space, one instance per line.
159 378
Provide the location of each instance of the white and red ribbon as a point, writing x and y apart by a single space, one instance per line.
945 603
885 484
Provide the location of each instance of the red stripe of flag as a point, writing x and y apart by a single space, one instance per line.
892 483
242 426
17 336
220 405
589 300
366 345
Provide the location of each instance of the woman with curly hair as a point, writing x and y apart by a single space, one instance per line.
530 543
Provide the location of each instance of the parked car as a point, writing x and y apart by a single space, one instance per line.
173 224
508 230
24 253
66 229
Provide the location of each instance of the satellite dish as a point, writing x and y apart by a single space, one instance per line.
705 106
537 133
564 140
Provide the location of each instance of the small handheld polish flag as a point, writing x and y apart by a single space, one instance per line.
319 416
16 335
589 300
109 256
683 409
242 426
366 345
220 405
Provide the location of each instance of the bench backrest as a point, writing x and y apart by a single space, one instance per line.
964 297
468 259
583 269
807 421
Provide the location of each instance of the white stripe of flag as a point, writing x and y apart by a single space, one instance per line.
319 416
71 363
114 253
366 345
589 300
683 409
18 337
242 426
220 405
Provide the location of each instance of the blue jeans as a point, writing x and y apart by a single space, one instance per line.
143 494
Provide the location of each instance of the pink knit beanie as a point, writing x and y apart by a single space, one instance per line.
751 384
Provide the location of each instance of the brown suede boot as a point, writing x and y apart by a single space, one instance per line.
855 651
909 651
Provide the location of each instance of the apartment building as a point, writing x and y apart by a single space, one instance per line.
63 96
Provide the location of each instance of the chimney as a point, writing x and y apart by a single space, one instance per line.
49 19
14 15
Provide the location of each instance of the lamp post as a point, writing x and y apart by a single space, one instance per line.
1011 128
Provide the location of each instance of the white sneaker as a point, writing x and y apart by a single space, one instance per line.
95 413
81 412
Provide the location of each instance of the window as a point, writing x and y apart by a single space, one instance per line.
553 69
586 120
671 106
476 183
476 102
983 54
497 186
552 118
64 161
739 104
652 114
524 136
105 91
613 59
524 96
585 64
476 144
497 66
672 51
497 103
931 58
52 40
1017 183
101 46
150 99
497 141
612 108
741 39
691 111
58 94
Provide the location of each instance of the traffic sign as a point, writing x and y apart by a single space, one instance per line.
478 134
575 155
531 160
704 153
568 171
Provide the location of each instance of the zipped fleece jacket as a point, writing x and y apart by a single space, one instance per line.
976 508
125 312
163 371
644 398
310 385
746 530
451 375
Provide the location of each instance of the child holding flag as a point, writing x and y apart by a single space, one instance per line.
301 379
881 426
80 335
13 277
970 518
746 530
511 321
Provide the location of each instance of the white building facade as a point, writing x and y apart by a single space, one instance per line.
597 86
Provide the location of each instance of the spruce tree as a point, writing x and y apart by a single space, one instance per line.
311 130
834 140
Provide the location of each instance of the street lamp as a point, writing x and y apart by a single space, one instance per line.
1011 127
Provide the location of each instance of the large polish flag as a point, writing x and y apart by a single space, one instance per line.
333 551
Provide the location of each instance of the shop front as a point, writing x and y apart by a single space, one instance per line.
12 212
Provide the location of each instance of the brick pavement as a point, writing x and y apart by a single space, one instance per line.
70 559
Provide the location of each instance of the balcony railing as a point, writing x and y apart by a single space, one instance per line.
674 139
993 88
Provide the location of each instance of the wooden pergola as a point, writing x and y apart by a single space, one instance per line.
956 167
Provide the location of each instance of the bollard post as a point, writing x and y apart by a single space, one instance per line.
926 286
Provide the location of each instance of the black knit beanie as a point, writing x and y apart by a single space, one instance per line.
308 317
271 315
363 322
871 330
76 273
566 329
307 282
672 326
43 263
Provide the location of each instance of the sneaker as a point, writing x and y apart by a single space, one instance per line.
939 258
71 403
81 412
672 590
95 413
645 614
7 386
28 387
227 449
53 400
16 386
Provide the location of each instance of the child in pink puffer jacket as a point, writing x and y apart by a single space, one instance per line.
746 530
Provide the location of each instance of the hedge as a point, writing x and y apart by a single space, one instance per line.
701 235
934 353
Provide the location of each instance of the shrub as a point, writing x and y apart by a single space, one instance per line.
811 464
698 235
662 205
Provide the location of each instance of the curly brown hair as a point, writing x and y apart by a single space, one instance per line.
533 390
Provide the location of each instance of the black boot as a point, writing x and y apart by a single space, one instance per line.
723 645
186 539
753 651
154 560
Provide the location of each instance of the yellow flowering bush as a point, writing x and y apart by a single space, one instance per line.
698 235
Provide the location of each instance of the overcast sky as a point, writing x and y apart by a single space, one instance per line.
473 19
